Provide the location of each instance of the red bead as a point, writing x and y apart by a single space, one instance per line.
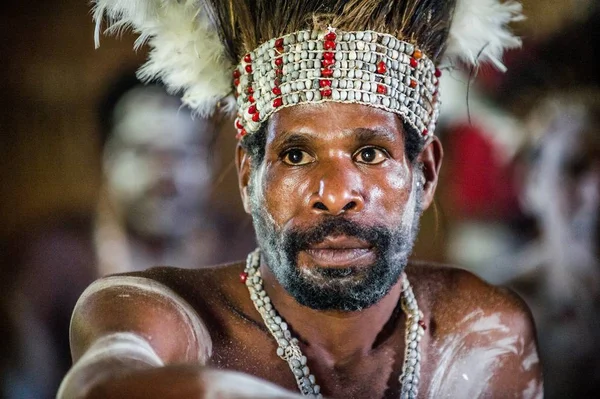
236 82
276 91
278 102
247 58
248 68
381 89
328 55
241 134
279 61
329 45
327 62
414 63
251 98
413 83
256 117
324 83
252 109
243 277
279 72
280 50
418 54
238 124
425 133
326 92
438 73
381 68
422 324
279 42
326 72
250 90
331 36
236 73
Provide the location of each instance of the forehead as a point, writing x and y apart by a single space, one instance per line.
149 116
330 120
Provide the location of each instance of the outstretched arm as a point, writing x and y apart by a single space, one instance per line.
134 337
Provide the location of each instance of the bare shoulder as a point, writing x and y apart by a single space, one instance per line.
452 294
164 306
481 338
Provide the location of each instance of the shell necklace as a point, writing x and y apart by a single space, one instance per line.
288 346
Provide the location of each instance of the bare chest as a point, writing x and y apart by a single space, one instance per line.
253 351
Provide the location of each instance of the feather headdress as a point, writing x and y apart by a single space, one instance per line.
196 44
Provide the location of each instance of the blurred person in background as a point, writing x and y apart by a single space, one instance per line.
559 273
153 209
158 171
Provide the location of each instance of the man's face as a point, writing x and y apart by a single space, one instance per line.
568 182
156 164
335 204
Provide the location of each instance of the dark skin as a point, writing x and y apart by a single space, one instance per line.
328 159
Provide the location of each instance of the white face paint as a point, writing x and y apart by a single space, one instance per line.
469 358
156 163
564 186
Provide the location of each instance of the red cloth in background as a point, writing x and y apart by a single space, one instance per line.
479 185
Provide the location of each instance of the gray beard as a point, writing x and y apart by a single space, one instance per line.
348 289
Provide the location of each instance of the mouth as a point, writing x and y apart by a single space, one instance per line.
339 252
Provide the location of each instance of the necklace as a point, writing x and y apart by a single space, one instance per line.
288 346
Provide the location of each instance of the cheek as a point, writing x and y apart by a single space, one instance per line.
129 176
389 193
287 193
193 176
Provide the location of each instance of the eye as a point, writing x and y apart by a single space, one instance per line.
297 157
370 155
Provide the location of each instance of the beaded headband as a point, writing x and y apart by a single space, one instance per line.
194 48
364 67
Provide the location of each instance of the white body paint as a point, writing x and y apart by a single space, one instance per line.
144 286
229 384
128 346
466 371
118 345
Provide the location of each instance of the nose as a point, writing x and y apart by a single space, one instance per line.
339 191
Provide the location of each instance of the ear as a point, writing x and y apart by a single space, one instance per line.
431 158
242 163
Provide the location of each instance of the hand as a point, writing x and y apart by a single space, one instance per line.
223 384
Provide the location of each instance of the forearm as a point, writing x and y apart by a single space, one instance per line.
108 358
124 365
188 382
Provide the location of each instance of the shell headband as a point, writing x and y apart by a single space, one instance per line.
367 68
363 67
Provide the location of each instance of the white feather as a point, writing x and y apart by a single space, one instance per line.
480 32
186 52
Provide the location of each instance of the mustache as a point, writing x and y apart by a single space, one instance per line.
297 239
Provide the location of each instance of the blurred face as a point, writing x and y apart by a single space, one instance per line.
568 181
156 164
335 204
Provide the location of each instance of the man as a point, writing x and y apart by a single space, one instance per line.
337 160
158 174
559 272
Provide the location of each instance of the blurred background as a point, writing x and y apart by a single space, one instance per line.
101 175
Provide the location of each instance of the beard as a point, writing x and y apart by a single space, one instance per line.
337 289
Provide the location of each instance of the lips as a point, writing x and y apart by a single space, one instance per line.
340 252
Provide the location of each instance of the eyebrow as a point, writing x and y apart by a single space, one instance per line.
366 135
290 139
362 135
